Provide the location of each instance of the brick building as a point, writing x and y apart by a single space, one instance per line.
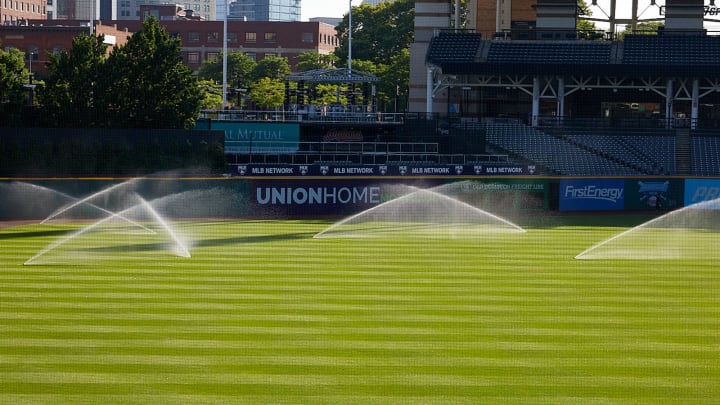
14 12
38 40
201 40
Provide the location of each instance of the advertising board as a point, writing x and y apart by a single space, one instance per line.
331 197
504 194
257 138
346 170
318 198
653 194
592 195
700 190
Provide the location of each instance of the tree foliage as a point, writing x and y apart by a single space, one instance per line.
142 84
268 93
312 60
240 68
148 85
70 95
13 77
378 32
381 39
273 67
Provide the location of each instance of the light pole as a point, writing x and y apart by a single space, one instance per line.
30 86
224 61
31 55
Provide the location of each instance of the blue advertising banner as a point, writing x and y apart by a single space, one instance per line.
698 190
592 195
249 138
382 170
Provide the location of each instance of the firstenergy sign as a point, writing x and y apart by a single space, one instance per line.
592 195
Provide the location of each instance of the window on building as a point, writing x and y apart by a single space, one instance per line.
193 57
232 37
250 37
193 36
57 50
251 55
32 53
308 37
213 37
212 55
270 36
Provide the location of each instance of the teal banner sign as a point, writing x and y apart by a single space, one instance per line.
249 138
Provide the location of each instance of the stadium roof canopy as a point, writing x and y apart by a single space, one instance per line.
342 75
661 54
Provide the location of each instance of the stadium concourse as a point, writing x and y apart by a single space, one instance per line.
535 99
643 105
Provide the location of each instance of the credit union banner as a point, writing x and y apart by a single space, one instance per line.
252 138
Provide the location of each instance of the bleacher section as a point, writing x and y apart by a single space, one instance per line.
554 153
671 50
706 154
552 52
652 154
451 46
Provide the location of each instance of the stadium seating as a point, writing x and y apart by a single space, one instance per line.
650 153
451 46
671 50
551 52
554 153
706 154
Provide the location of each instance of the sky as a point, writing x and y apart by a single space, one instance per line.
325 8
338 8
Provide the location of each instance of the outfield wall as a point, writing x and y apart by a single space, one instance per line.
331 196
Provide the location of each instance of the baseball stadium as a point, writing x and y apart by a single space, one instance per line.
541 226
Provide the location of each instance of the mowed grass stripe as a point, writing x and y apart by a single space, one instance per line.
274 316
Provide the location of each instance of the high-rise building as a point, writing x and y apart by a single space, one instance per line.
130 9
15 12
82 9
265 10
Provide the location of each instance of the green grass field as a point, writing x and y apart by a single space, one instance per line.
264 313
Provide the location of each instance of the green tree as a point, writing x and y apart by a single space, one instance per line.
147 85
70 97
267 93
240 69
326 93
13 76
312 60
273 67
378 32
643 28
212 94
394 87
583 24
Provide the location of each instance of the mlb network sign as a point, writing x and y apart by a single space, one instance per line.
592 195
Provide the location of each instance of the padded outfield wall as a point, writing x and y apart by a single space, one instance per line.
332 196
